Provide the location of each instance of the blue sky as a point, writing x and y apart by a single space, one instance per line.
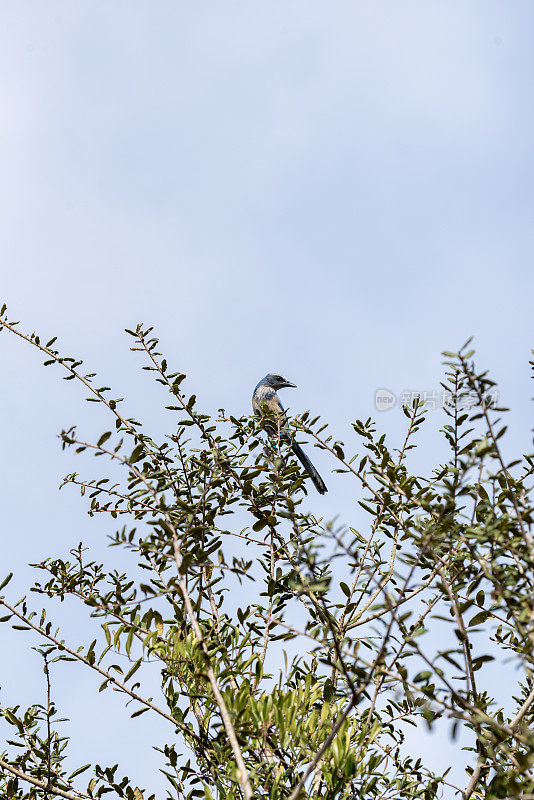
337 192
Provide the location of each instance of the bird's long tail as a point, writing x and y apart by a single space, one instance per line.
310 469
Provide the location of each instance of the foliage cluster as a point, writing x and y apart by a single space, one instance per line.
388 623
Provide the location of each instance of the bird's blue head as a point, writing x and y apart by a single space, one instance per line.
276 382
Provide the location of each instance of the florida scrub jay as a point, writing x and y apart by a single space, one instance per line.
265 396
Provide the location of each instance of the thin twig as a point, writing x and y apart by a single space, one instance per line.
74 794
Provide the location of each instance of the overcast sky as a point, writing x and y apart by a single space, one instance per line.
334 191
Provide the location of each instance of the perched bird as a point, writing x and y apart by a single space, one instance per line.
265 396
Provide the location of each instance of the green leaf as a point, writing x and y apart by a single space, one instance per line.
479 618
105 436
423 676
91 652
137 454
79 771
133 670
477 662
140 711
6 581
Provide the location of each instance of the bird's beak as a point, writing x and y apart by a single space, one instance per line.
289 385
